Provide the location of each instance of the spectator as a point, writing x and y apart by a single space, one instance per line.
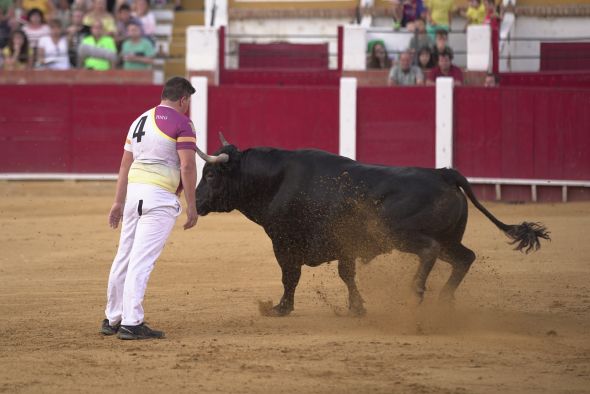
411 11
45 6
17 54
491 80
5 18
491 13
475 12
123 19
146 17
138 52
425 60
52 53
441 43
420 39
378 58
35 28
76 32
98 39
404 73
63 12
439 15
445 68
99 13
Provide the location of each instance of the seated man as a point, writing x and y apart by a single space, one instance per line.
138 52
404 74
104 57
445 68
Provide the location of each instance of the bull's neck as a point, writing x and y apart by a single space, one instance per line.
260 179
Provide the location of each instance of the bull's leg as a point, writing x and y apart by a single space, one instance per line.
428 253
461 259
291 274
347 271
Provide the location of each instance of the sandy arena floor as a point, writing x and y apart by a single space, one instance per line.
521 323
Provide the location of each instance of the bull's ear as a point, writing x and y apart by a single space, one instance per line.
223 140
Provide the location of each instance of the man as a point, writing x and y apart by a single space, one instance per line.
122 20
101 41
441 43
158 162
420 39
445 68
138 52
404 74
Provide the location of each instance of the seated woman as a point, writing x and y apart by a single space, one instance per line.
52 52
17 54
425 60
378 58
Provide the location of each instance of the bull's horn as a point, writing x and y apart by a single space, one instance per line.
221 158
223 140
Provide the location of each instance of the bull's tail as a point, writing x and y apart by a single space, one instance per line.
525 236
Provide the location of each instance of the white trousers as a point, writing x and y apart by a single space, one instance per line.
148 218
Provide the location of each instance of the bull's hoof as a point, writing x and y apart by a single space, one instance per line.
358 311
266 309
447 299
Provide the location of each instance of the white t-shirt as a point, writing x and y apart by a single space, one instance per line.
56 55
148 23
34 35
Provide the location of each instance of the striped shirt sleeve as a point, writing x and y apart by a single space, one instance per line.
187 136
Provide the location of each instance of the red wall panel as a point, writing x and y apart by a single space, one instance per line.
285 117
537 133
396 126
68 128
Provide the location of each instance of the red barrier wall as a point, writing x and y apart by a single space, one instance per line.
68 128
396 126
283 55
286 117
522 133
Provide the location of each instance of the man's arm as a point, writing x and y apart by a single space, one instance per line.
188 174
117 209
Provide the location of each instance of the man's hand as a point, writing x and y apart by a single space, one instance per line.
191 218
116 214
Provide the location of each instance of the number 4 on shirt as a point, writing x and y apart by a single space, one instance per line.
138 132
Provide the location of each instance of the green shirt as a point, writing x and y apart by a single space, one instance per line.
143 47
5 5
105 42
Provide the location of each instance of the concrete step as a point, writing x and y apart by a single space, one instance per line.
174 67
189 18
193 4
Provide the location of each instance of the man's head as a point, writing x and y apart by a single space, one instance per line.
420 25
178 91
405 61
490 81
445 58
134 30
99 6
442 38
55 27
124 13
96 29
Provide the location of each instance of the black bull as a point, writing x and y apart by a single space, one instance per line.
317 207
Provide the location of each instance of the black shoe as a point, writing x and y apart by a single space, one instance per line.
107 329
139 332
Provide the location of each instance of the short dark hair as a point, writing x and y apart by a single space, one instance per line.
176 88
442 32
448 52
124 7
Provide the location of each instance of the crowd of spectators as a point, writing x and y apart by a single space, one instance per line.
429 54
90 34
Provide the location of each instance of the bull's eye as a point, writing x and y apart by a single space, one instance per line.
209 176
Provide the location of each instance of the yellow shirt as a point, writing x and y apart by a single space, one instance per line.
108 22
439 10
40 4
476 16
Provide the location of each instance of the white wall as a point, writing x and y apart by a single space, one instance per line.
287 26
552 28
